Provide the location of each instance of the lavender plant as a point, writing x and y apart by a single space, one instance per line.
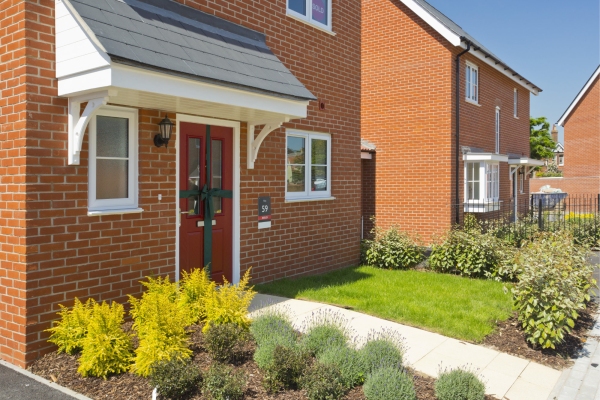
350 363
459 384
325 329
389 383
383 349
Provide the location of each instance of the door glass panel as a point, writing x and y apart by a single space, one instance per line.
112 137
112 179
194 181
296 161
216 170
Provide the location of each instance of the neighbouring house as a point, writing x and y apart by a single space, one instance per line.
449 119
581 122
559 150
129 126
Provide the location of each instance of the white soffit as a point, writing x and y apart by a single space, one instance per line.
526 161
485 157
580 95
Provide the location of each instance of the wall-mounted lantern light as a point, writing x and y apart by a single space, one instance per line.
166 127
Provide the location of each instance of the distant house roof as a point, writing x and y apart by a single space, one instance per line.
459 37
559 148
176 39
579 96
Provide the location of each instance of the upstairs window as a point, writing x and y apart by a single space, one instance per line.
516 101
472 84
308 165
497 130
316 12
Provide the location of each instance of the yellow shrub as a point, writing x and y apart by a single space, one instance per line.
229 304
106 348
69 332
194 287
160 320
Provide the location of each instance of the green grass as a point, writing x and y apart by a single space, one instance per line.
450 305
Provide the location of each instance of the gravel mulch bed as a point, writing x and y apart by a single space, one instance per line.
62 369
509 338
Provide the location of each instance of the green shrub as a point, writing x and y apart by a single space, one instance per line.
225 342
382 349
349 362
106 347
393 249
585 228
553 285
222 382
322 382
471 252
229 304
270 329
325 329
459 384
389 383
69 332
175 378
271 323
160 322
194 288
288 365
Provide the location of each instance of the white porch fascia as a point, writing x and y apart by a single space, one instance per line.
485 157
137 87
528 163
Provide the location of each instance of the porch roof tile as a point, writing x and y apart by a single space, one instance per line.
176 39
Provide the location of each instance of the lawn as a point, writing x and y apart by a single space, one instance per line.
453 306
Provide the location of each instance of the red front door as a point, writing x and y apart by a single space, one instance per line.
192 174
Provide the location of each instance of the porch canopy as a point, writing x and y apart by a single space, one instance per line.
515 162
162 55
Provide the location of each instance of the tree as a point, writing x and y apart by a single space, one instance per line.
540 142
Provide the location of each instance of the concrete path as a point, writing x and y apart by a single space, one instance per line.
505 376
582 381
19 384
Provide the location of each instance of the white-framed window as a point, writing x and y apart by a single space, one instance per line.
308 165
472 83
315 12
521 182
561 160
113 154
516 103
482 181
497 130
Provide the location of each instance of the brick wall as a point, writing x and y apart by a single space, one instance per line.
406 113
57 252
409 114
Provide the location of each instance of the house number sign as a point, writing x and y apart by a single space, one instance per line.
264 212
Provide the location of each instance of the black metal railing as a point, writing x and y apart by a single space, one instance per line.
579 214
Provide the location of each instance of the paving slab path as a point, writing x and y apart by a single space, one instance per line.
582 381
505 376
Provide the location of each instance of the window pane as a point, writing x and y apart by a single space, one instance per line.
112 179
112 137
296 150
194 148
476 171
216 151
318 179
319 151
295 179
320 11
297 5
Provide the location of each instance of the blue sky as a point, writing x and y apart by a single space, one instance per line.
553 43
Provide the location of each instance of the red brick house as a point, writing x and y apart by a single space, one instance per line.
581 157
436 145
93 198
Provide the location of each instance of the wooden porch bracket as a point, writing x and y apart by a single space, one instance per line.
254 143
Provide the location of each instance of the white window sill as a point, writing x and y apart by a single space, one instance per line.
482 207
99 213
516 117
307 199
313 24
472 102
